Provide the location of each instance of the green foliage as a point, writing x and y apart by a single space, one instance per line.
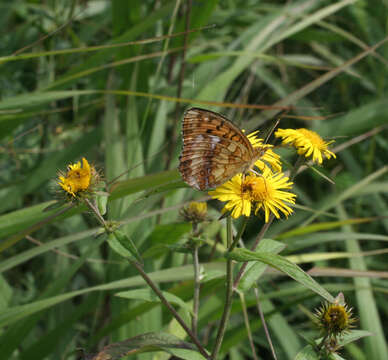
101 80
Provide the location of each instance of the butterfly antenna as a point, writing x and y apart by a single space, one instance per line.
283 113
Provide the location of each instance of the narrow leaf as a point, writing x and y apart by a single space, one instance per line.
282 264
123 245
256 269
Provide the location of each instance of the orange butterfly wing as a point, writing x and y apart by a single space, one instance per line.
214 149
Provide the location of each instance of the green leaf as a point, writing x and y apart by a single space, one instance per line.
164 235
282 264
102 201
307 353
255 269
149 342
354 335
149 295
123 245
147 182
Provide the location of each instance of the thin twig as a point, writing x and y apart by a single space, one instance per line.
267 335
148 280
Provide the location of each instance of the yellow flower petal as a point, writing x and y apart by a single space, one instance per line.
265 192
77 179
307 143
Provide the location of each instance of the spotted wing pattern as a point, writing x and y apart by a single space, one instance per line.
214 150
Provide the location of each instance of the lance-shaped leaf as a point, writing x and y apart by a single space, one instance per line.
255 269
123 245
282 264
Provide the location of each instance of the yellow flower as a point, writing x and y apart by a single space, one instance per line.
78 179
195 212
265 192
269 156
307 142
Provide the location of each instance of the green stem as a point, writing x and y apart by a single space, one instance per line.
228 295
96 212
239 234
253 248
156 290
197 284
299 162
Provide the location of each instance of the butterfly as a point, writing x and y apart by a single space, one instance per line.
214 150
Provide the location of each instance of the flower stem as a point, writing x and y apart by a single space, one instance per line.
229 292
96 212
239 234
299 162
197 284
253 248
165 302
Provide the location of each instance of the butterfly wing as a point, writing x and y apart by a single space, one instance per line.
214 149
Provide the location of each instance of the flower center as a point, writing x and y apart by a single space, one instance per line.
257 189
77 180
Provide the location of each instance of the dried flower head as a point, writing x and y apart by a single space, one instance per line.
335 319
307 143
195 212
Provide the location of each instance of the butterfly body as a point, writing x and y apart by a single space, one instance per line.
214 149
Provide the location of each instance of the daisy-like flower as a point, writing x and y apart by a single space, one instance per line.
269 157
307 142
195 212
244 194
78 180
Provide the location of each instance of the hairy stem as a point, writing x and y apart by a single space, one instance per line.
96 212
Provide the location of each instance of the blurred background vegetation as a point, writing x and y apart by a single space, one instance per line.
70 90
